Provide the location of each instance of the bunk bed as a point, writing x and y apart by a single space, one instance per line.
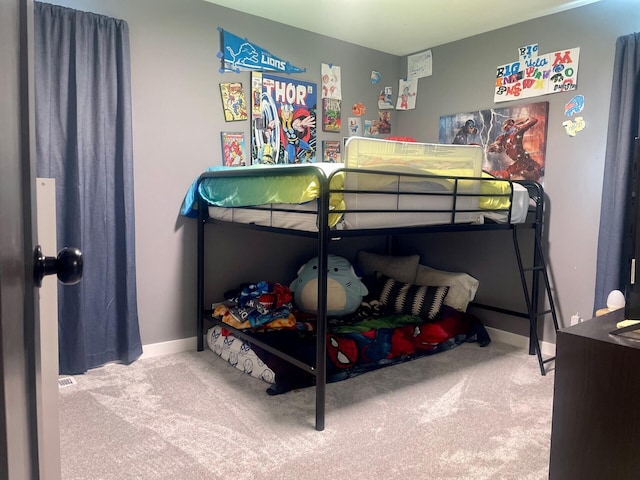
385 188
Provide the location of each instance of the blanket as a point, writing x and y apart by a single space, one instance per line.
368 345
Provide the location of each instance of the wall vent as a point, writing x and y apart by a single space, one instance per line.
66 382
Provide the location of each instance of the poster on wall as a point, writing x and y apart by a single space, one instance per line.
384 122
283 128
331 115
514 139
331 81
233 102
239 54
355 126
385 101
407 93
331 151
234 153
419 65
371 128
533 75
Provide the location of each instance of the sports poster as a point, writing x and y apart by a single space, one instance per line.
238 54
283 126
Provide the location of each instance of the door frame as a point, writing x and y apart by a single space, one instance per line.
20 392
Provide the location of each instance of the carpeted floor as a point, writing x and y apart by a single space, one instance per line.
470 413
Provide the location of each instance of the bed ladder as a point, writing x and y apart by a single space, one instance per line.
532 292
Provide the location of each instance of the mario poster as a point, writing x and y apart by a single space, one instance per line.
283 120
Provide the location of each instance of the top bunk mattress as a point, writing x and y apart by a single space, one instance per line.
381 184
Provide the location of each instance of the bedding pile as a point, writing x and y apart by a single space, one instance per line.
381 184
411 311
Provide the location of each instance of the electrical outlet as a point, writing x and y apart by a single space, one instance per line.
575 319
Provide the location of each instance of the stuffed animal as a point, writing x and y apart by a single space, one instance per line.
344 289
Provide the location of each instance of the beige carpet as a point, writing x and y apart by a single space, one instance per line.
469 413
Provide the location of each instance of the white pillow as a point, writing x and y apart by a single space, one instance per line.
462 286
402 268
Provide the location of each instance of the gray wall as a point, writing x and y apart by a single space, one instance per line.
462 78
178 117
177 120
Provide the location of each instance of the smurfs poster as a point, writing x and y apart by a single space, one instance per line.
283 129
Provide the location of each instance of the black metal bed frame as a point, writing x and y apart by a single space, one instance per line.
531 287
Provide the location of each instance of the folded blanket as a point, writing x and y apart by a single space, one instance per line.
296 188
259 304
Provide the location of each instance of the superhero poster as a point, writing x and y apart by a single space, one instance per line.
514 139
283 128
233 149
331 115
233 102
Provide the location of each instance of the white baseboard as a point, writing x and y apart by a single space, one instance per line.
520 341
166 348
189 344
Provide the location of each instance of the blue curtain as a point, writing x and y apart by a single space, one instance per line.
613 268
84 141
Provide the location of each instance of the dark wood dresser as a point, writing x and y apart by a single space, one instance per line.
596 403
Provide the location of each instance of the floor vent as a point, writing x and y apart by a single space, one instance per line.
66 382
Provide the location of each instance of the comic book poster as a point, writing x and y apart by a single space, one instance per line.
514 139
233 102
234 153
331 151
384 122
285 129
331 115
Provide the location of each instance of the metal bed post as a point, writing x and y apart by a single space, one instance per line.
202 218
321 322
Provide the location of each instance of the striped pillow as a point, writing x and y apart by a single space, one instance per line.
422 301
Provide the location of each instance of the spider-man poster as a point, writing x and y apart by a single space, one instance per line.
283 120
514 139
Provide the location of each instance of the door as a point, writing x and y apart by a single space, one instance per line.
28 422
18 313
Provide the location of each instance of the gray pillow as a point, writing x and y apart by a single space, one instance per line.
402 268
462 286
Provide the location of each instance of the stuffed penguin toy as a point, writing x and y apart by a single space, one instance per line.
344 289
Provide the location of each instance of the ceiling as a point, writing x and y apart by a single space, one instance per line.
400 27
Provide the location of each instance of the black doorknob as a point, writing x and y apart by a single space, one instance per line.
67 265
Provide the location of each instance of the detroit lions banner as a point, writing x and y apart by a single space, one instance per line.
237 54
